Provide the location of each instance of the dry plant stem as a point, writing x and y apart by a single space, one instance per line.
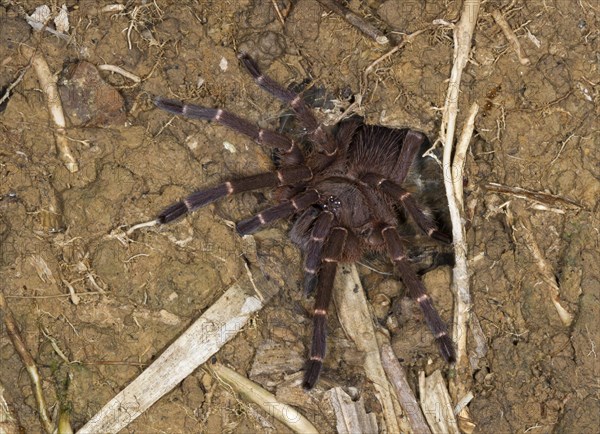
510 35
460 154
48 85
252 392
545 268
547 198
357 321
355 20
436 403
9 424
217 326
397 376
351 416
15 336
121 71
13 85
369 69
141 225
463 33
281 20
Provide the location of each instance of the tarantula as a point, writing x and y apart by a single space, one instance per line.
348 196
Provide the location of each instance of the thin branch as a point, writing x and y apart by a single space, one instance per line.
17 340
463 33
356 21
538 196
217 326
357 321
405 40
460 154
546 271
281 20
510 35
13 85
397 376
119 70
48 84
252 392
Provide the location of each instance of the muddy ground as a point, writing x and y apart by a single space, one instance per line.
537 129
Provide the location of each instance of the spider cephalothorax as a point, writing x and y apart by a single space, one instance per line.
353 193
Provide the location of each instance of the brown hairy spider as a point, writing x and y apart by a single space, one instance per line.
347 197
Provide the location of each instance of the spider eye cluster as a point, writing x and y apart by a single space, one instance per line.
332 204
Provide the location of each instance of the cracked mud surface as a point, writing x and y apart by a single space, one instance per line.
537 130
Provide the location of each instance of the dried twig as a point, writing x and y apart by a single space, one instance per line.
9 424
397 376
510 35
406 39
276 7
119 70
463 32
544 267
538 196
17 340
217 326
460 154
351 415
141 225
357 322
13 85
252 392
356 21
436 404
48 85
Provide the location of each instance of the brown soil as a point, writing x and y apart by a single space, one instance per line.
537 130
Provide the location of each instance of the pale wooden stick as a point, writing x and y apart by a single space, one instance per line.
252 392
48 84
356 21
357 321
9 424
539 196
119 70
217 326
463 33
406 39
12 330
13 85
397 376
436 404
546 271
281 20
350 414
460 155
510 35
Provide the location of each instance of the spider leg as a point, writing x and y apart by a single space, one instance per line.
410 146
416 289
290 153
285 209
200 198
316 132
332 252
423 220
314 248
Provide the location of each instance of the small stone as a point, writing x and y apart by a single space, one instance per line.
87 99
